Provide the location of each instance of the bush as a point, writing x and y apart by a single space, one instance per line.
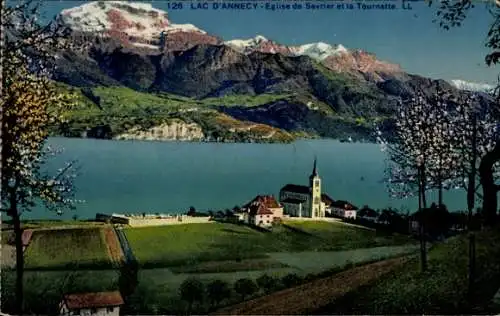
291 280
267 283
218 290
245 287
191 290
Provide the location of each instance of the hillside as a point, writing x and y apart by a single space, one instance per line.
149 78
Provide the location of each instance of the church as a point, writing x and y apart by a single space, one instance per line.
305 201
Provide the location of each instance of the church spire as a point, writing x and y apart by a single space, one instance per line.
315 171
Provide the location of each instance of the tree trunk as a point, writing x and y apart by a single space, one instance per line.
471 199
440 191
19 259
490 189
472 265
423 250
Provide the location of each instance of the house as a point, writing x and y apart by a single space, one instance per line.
325 198
262 202
261 216
343 209
91 304
367 214
304 201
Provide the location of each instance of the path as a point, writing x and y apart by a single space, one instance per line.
307 298
127 251
113 246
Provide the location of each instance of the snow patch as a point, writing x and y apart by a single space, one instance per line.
248 44
319 50
144 21
472 86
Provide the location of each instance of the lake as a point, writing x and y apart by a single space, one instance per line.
169 177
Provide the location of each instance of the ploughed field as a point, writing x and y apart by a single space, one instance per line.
77 248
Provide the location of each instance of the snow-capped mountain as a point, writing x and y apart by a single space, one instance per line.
141 27
335 57
318 51
134 18
472 86
134 23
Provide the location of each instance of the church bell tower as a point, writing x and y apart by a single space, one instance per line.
315 194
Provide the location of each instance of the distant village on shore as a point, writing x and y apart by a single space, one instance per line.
295 202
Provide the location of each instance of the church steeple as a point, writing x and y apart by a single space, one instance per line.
315 191
315 171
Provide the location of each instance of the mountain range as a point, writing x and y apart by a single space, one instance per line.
146 77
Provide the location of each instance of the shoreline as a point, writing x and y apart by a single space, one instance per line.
172 141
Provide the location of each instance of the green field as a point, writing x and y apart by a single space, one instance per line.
177 245
340 236
440 290
67 248
171 254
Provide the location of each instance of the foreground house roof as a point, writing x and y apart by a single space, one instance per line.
296 188
93 300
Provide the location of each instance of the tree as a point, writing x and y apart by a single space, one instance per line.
192 211
245 287
217 291
31 103
451 14
291 280
128 280
266 282
191 290
421 153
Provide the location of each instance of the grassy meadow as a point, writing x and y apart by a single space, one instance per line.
194 244
67 248
440 290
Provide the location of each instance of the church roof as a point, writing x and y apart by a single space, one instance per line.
292 201
326 199
296 188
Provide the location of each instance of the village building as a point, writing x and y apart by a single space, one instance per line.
91 304
367 214
344 209
262 211
306 201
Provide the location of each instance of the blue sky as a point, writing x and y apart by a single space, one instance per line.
406 37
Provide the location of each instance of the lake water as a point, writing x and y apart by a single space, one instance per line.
169 177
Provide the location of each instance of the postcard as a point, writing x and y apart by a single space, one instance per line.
249 157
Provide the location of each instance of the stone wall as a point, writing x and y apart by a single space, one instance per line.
139 221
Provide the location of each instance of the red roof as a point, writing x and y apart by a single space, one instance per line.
268 200
26 236
259 209
99 299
